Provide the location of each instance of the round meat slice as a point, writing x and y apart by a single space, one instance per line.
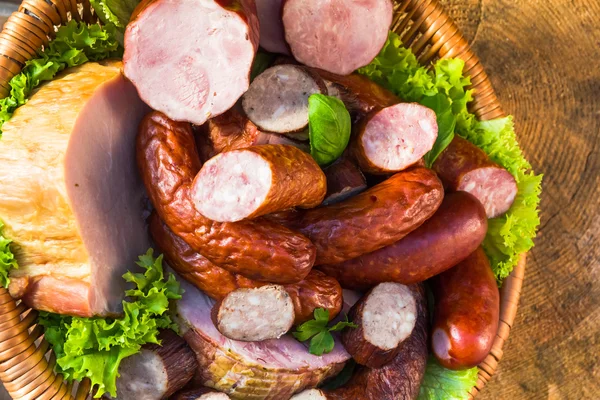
394 138
256 181
271 27
310 394
277 100
197 75
464 166
253 315
385 317
338 36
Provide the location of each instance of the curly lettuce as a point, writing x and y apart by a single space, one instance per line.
75 43
441 383
7 259
94 347
115 12
443 89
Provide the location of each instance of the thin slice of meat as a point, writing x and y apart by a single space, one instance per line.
256 181
316 290
394 138
277 100
464 166
256 314
272 37
200 74
337 36
272 369
385 316
202 393
344 180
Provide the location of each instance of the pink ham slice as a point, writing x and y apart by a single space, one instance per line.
272 369
272 37
338 36
199 74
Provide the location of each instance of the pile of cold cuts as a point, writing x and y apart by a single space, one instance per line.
245 214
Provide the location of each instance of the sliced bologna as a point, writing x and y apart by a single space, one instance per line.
338 36
256 181
277 100
394 138
272 37
200 74
455 230
464 166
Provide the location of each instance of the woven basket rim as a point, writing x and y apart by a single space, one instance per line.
424 27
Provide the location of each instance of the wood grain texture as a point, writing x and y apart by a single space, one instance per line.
543 58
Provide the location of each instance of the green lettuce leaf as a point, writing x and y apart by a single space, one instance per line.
94 347
7 259
75 43
440 383
115 12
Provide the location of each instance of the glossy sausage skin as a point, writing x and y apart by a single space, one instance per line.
373 219
316 290
258 249
455 230
467 308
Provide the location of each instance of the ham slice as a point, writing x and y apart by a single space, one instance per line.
71 194
272 369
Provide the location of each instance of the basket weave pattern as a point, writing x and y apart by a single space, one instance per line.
26 362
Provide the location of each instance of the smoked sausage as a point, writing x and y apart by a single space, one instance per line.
466 316
258 249
456 229
374 218
344 180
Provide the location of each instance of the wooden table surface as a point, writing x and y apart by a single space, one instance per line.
543 57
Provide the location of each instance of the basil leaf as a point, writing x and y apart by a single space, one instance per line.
446 121
321 343
329 128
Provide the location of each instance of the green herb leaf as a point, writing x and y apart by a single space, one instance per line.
321 315
262 61
7 259
342 325
309 329
440 383
342 378
328 128
95 347
321 343
322 340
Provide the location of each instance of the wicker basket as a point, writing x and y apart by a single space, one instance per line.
26 363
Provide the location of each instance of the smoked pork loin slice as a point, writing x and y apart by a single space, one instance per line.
273 369
71 194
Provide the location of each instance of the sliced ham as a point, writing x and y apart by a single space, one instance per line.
338 36
201 73
272 37
72 200
273 369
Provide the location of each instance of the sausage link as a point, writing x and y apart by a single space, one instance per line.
316 290
258 249
467 309
455 230
374 218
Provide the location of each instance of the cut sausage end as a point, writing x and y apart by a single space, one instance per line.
277 100
205 73
203 393
396 137
231 186
255 314
493 186
310 394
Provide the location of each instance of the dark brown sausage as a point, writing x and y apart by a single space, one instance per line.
344 180
316 290
464 166
258 249
467 308
258 180
373 219
456 229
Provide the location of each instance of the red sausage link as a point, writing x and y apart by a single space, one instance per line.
258 249
467 309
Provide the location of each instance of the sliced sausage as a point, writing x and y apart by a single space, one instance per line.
374 218
456 229
466 316
316 290
394 138
258 249
344 180
256 181
337 36
254 315
272 37
203 393
464 166
385 316
200 74
277 100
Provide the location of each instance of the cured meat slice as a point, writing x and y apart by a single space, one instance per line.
272 37
201 73
71 196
